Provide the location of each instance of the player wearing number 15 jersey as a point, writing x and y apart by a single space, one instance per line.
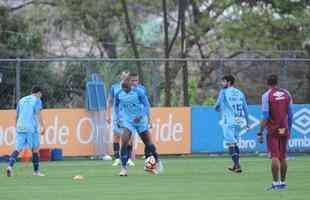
232 105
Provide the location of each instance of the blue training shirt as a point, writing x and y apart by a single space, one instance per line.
27 110
232 104
131 105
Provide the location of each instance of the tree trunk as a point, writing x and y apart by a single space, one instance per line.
183 54
167 68
132 40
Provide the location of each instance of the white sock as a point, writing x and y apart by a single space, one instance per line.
275 183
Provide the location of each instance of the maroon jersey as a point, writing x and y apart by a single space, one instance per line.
279 101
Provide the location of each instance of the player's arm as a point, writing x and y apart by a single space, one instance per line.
146 105
116 105
109 109
39 116
217 105
265 117
110 105
290 113
17 113
246 112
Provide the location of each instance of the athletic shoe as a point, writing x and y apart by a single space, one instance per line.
235 169
130 163
9 171
116 162
106 158
38 173
272 187
124 172
283 186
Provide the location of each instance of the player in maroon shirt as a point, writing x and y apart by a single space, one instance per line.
277 118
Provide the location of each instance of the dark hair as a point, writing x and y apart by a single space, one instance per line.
134 74
272 80
229 78
36 89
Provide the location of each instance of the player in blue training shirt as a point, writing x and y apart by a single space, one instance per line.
232 105
28 125
132 112
115 88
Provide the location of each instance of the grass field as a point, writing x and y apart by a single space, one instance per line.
183 179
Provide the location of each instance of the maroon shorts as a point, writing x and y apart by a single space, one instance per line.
277 146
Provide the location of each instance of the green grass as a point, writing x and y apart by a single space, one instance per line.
183 179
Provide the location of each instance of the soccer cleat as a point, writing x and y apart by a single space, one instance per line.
235 169
116 162
9 172
272 187
130 163
38 173
282 186
124 172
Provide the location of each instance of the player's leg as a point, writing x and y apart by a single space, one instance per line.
116 148
231 141
126 135
34 143
275 162
130 162
283 161
20 144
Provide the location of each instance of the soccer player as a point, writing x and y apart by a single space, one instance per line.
232 105
116 130
28 121
132 112
277 118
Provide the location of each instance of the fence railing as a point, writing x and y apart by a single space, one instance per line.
64 78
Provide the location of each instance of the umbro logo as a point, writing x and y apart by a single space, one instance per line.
302 121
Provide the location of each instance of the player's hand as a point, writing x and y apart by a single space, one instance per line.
109 120
247 128
42 130
260 137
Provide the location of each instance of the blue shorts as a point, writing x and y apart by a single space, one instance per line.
135 127
116 129
26 139
231 134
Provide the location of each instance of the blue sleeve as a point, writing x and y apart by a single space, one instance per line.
219 100
265 106
245 109
38 105
146 104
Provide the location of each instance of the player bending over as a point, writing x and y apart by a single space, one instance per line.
132 112
28 121
115 129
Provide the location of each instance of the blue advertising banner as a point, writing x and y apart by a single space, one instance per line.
207 135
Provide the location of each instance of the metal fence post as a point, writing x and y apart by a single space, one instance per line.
17 87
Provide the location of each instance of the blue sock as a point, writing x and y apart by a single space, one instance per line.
129 150
35 161
116 148
124 155
13 158
234 153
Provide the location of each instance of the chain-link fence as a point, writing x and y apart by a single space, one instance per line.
193 81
